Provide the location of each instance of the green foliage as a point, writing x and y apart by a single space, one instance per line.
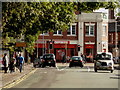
118 14
29 19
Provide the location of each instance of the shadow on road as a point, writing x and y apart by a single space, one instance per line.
114 77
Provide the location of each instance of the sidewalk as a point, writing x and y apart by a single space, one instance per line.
14 76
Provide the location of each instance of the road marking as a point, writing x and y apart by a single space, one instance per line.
15 82
62 68
88 68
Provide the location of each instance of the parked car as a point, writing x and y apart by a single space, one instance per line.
48 60
76 61
104 61
37 62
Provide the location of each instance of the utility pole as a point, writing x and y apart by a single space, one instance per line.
37 49
43 43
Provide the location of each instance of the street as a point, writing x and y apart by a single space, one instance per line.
74 77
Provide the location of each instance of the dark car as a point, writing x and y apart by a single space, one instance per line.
48 60
37 62
76 61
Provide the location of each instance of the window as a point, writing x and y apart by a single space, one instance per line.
110 38
45 33
104 30
89 30
58 32
71 30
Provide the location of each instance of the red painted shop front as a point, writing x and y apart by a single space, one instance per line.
67 49
89 49
58 50
89 52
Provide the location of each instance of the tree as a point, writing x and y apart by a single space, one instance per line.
29 19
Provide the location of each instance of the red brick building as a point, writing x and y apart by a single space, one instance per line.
62 42
89 31
114 34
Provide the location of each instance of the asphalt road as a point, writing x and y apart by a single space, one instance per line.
65 77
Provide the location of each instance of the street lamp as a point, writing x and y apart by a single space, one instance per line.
37 49
43 43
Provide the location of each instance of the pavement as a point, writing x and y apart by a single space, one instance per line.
9 79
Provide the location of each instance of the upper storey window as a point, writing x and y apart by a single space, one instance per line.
58 32
72 29
90 29
45 33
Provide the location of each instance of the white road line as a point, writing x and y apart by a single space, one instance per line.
88 68
62 68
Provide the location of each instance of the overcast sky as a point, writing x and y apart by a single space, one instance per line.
102 10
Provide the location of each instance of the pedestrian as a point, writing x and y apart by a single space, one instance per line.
84 59
21 62
68 58
17 61
12 64
64 58
5 62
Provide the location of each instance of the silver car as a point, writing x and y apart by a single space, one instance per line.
104 61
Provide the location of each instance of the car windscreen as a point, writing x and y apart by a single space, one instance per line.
76 58
46 57
103 57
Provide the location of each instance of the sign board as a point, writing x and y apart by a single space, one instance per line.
61 42
20 44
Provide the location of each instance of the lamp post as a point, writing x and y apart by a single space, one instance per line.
37 49
43 43
116 48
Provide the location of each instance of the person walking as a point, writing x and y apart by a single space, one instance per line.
84 59
5 62
64 59
17 61
21 62
12 64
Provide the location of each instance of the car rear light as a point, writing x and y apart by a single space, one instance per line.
43 60
70 60
81 61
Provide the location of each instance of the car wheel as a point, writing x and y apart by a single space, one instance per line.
42 65
70 66
95 70
111 71
54 65
34 66
81 66
39 65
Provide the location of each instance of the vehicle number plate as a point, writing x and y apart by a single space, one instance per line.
49 62
75 61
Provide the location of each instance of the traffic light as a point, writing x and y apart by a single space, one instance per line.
51 45
78 47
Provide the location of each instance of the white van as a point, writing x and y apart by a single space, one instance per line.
104 61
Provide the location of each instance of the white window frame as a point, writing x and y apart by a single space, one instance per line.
45 33
89 33
57 32
71 30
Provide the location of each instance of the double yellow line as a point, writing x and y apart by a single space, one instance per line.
15 82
